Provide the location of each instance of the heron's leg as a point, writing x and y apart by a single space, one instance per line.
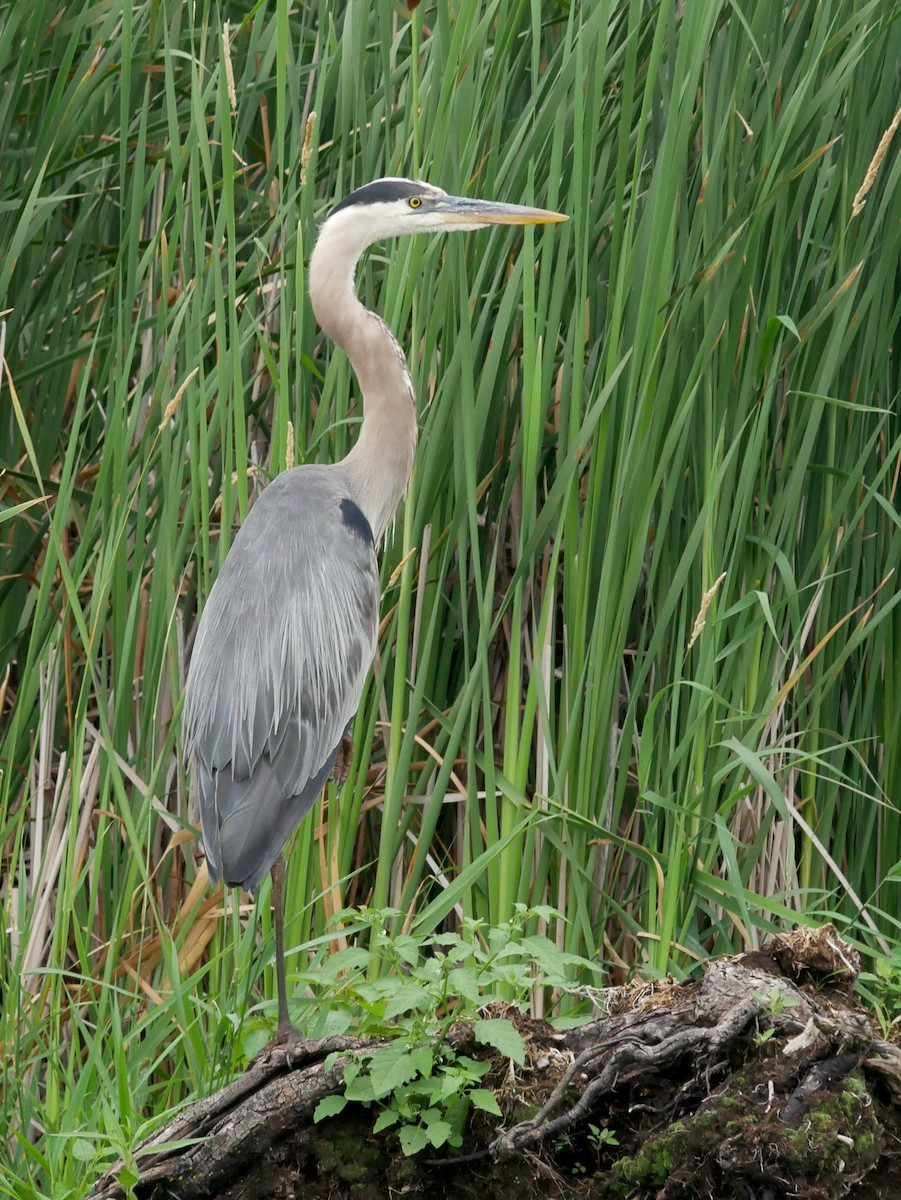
343 759
286 1031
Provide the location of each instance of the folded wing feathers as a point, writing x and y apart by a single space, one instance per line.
278 667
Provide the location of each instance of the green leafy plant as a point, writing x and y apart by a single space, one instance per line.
881 988
775 1002
599 1137
422 1083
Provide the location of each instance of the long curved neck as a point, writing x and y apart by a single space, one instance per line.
380 462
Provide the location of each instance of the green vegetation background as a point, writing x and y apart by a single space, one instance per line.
641 607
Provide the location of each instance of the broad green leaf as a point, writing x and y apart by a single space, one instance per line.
439 1131
422 1059
83 1150
361 1089
390 1067
329 1106
484 1099
473 1068
500 1033
402 995
386 1118
463 981
413 1138
343 961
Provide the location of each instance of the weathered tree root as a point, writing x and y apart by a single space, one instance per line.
236 1124
601 1068
693 1036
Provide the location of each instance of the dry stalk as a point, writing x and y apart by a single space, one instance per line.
701 618
875 163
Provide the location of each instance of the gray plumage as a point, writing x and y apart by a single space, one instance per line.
287 637
288 633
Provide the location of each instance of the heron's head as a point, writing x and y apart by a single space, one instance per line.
393 207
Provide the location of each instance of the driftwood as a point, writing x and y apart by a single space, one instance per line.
711 1088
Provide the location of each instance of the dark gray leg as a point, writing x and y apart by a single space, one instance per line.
286 1031
343 759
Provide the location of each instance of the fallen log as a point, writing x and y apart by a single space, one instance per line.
762 1080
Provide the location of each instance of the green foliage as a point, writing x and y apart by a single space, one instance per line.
422 1083
638 650
776 1002
881 989
601 1137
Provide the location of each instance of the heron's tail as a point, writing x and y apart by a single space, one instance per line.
246 822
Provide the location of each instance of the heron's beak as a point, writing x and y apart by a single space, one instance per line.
458 210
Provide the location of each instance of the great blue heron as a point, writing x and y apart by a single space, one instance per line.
288 633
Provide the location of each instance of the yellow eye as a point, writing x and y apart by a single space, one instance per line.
414 202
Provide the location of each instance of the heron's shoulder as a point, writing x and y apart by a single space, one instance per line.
312 487
312 499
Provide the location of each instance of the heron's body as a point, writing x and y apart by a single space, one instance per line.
284 663
288 633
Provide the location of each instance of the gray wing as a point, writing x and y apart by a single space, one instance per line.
284 645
